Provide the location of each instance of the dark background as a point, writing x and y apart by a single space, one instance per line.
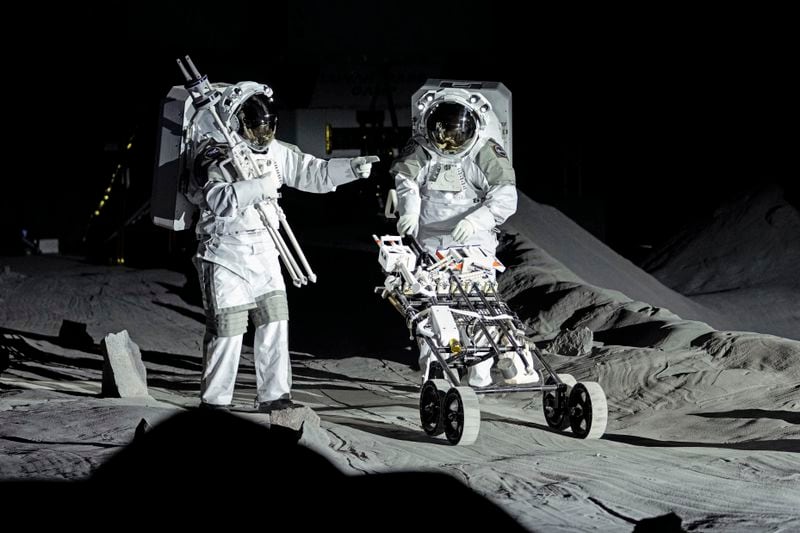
633 121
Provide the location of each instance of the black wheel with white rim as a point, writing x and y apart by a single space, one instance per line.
462 415
588 410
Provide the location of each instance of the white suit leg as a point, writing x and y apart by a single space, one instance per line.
480 374
425 358
273 366
220 365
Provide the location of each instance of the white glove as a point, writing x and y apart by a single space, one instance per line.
463 230
408 225
362 166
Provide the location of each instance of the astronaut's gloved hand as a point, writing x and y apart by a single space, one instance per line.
408 224
269 186
463 230
362 166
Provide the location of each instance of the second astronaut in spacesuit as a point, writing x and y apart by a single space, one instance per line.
454 187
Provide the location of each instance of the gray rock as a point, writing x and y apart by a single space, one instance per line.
298 418
305 421
124 375
573 342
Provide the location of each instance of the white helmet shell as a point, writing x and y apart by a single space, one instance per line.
233 96
489 101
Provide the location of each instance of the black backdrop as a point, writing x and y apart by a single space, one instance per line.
634 122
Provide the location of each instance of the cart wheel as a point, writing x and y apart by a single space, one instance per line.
431 400
557 418
588 410
462 415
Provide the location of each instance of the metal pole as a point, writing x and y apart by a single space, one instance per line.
294 271
289 233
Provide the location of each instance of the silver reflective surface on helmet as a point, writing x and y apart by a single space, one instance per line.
257 122
450 127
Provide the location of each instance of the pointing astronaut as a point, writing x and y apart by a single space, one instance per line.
237 167
454 180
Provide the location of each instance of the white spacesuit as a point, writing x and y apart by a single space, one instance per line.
237 260
454 186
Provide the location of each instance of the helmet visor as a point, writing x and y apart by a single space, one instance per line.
451 127
257 122
259 136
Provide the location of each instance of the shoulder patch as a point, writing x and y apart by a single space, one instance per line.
499 151
214 152
409 148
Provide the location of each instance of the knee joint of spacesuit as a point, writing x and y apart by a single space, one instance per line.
270 307
227 324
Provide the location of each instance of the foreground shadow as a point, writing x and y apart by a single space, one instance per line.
201 468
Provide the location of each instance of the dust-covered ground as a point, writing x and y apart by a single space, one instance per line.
702 423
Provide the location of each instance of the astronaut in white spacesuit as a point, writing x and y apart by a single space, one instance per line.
454 187
237 260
